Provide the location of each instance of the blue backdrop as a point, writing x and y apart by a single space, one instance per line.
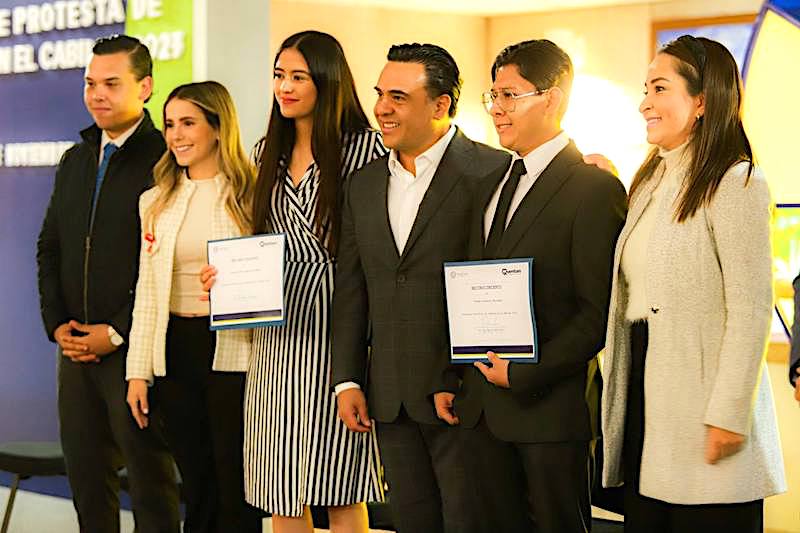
38 106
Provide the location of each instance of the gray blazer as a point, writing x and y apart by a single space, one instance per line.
709 287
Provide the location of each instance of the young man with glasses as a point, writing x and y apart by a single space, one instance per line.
531 423
88 257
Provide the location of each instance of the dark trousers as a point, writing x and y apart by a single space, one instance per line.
540 487
203 419
648 515
99 436
428 489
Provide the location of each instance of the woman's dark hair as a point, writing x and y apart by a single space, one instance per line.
441 71
718 140
337 113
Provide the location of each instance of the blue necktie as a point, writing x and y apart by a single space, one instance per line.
109 149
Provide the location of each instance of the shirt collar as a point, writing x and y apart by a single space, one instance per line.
543 155
219 180
430 158
121 138
676 157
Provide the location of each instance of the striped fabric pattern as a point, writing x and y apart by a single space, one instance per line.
297 452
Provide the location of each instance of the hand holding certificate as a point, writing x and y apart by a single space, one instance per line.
248 291
490 308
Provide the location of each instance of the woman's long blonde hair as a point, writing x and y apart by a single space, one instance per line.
217 106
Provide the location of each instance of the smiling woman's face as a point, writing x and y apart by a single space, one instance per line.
668 108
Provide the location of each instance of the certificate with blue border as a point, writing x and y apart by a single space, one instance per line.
490 309
248 291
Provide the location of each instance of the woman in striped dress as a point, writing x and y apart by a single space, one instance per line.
297 451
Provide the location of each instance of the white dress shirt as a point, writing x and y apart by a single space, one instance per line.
404 196
407 190
535 163
119 140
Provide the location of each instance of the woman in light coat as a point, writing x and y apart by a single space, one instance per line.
688 418
203 188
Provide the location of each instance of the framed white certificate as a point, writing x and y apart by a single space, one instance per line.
490 309
248 291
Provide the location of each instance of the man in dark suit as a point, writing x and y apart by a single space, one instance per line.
88 257
530 423
404 215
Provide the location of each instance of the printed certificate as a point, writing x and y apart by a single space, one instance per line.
490 308
248 291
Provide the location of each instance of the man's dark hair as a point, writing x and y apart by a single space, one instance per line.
539 61
138 54
441 72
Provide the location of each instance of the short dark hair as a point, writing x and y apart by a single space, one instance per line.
539 61
441 72
138 53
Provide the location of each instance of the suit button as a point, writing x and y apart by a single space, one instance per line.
654 310
401 278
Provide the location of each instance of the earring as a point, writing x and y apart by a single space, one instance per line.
698 116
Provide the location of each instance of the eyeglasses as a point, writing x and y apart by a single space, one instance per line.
505 99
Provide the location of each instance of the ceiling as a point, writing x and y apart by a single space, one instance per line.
479 7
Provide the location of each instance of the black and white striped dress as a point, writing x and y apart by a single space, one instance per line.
297 451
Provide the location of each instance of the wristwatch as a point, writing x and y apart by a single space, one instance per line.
115 338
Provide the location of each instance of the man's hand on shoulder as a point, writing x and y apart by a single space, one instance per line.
602 162
352 405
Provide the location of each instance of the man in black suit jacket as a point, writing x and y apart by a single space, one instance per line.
88 258
404 215
530 442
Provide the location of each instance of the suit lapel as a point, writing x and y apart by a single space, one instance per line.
546 186
381 183
456 158
484 196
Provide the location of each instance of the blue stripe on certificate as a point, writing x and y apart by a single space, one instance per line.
275 313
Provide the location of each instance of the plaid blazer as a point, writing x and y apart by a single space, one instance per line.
147 350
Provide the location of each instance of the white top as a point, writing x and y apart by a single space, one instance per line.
119 140
535 163
407 190
671 172
190 251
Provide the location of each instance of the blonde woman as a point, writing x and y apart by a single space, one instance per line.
203 186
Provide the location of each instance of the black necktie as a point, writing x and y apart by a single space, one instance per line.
503 205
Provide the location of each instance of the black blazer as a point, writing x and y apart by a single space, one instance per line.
392 303
568 222
90 275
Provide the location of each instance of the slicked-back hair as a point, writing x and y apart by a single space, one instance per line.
541 62
717 140
441 71
138 53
